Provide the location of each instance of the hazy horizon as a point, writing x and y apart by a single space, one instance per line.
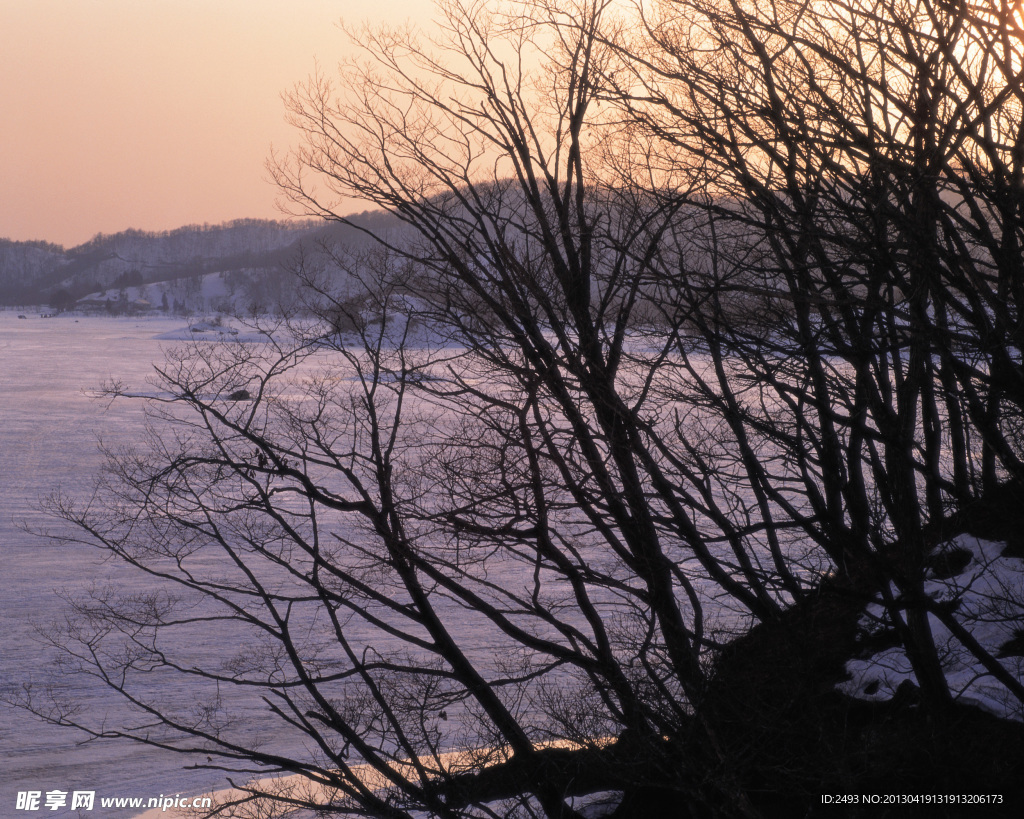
152 116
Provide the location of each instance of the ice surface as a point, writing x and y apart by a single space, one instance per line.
48 437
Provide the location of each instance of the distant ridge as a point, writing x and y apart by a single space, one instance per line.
39 272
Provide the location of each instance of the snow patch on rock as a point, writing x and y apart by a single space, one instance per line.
987 596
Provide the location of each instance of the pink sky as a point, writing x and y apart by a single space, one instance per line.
153 114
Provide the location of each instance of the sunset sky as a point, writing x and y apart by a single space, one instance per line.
153 114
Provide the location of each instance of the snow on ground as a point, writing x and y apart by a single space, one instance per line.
209 287
214 330
989 597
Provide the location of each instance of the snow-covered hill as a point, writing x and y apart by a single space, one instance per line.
195 265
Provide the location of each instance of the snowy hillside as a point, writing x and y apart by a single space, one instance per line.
249 256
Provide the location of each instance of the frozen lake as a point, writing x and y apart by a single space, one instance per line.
48 437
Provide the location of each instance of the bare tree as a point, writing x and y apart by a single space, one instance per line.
858 161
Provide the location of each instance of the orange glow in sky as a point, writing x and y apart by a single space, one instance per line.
154 114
